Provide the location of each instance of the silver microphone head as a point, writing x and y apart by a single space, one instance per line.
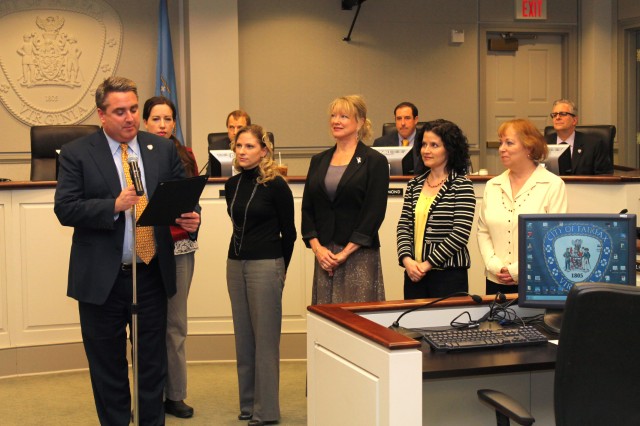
132 158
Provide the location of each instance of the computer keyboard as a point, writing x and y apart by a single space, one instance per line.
465 339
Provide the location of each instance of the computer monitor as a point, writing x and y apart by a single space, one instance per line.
559 159
555 251
397 156
221 162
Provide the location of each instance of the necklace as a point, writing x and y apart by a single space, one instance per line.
237 240
437 184
514 207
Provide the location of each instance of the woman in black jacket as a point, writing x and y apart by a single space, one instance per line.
437 216
343 206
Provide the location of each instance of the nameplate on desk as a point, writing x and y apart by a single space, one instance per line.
395 192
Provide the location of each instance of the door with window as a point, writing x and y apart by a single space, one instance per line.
520 84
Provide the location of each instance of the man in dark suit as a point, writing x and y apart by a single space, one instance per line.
406 134
589 154
236 120
93 196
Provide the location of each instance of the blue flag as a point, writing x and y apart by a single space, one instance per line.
165 75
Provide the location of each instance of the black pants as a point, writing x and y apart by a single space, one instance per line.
105 342
494 288
436 283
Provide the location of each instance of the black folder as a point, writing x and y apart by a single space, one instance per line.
171 199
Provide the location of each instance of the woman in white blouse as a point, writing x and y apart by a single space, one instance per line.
525 187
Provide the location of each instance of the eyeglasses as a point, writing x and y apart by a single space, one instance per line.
561 114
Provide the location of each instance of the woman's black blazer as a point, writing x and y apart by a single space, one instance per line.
360 203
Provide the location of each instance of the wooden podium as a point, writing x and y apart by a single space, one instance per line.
361 372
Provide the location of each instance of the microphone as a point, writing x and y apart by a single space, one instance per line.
136 176
416 335
623 211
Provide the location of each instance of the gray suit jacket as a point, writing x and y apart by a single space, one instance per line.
88 185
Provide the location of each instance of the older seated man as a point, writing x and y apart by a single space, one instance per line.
589 154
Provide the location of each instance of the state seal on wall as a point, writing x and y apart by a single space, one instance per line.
53 55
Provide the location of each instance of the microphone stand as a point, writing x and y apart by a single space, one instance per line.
134 322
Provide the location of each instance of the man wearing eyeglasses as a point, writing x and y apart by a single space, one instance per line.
589 154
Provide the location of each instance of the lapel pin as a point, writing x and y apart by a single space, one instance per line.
150 147
579 151
358 160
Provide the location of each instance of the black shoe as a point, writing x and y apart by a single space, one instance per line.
244 416
262 422
178 409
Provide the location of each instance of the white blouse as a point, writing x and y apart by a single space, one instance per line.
543 192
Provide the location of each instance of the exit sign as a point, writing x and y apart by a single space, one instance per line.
531 9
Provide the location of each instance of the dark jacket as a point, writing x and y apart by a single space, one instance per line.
360 203
88 185
590 154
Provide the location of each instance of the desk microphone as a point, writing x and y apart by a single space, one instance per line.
416 335
136 176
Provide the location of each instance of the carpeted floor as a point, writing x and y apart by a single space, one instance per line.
65 399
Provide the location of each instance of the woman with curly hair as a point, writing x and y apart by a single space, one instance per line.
437 216
260 205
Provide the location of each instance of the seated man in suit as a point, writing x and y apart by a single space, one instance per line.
406 134
235 121
589 154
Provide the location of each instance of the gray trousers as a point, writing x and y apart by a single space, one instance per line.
176 387
255 289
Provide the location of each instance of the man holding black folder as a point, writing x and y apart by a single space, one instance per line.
93 196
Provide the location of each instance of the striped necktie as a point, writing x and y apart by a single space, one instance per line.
145 246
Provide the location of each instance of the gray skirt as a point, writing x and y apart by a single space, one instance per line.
359 279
